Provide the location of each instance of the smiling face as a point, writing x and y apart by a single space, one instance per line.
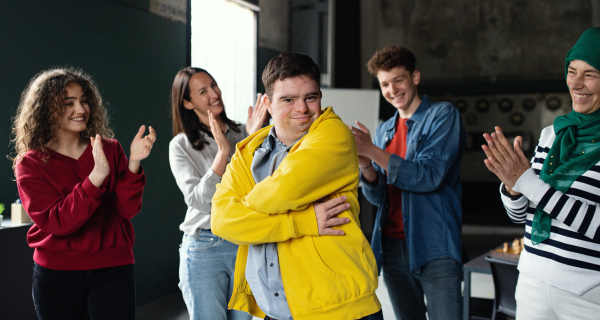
399 88
295 104
76 112
205 95
584 85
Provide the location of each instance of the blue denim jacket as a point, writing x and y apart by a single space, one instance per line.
430 182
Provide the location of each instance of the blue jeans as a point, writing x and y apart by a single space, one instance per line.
107 293
439 281
206 277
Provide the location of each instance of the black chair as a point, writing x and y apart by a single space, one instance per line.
505 275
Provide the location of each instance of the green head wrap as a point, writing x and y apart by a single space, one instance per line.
586 49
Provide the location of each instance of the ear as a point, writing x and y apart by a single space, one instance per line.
267 102
416 77
188 105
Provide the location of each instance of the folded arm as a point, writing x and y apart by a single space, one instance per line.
286 204
237 223
323 164
54 213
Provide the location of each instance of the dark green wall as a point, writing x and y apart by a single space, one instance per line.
133 55
263 55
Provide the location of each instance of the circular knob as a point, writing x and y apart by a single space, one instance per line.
461 105
505 105
516 118
482 105
553 103
529 104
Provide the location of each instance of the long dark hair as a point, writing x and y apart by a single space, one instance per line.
187 121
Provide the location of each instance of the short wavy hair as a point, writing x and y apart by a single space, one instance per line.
391 57
37 119
289 65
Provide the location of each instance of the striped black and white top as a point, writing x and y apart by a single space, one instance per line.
570 258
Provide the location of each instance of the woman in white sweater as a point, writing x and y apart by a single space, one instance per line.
204 140
557 196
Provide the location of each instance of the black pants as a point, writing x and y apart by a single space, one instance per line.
99 294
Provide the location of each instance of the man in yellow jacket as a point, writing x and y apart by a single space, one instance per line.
289 199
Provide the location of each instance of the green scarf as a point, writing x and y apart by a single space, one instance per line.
575 150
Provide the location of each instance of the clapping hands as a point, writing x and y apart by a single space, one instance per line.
506 161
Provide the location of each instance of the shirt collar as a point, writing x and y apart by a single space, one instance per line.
422 109
417 116
271 141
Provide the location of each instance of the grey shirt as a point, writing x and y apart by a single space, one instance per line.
262 266
195 178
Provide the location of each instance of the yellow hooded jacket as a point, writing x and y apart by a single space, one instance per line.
324 277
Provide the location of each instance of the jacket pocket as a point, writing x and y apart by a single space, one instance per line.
310 282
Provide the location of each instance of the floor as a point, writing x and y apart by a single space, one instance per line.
173 308
476 241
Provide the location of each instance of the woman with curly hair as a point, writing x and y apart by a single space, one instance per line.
203 143
80 191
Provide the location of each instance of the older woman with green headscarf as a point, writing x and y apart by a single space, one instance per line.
557 195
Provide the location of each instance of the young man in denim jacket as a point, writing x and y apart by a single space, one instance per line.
411 172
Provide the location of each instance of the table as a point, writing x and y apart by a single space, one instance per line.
481 265
478 265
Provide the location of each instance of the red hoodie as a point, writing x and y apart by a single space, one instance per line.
76 225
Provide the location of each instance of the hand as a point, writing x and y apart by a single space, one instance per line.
141 146
256 117
363 161
326 212
223 144
368 152
362 135
507 162
101 167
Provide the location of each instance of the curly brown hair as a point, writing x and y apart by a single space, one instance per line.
391 57
36 122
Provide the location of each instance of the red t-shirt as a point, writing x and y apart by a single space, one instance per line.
76 225
394 226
